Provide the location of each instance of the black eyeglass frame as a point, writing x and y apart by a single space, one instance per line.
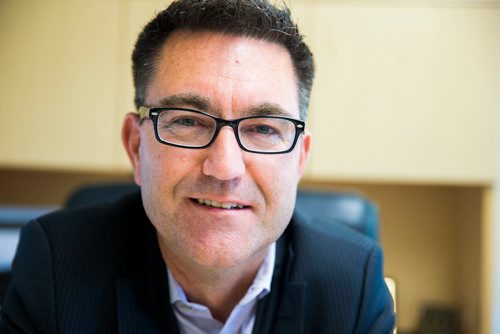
153 114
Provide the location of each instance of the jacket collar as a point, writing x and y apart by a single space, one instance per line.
282 311
142 295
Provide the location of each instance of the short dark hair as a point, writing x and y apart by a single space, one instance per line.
250 18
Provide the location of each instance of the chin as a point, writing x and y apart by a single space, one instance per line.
225 255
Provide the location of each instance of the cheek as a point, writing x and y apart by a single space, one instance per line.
162 167
277 176
161 160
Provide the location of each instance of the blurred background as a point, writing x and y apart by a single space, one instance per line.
404 111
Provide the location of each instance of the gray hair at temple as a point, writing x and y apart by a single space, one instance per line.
249 18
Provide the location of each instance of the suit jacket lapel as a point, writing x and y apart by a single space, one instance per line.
140 310
283 309
142 293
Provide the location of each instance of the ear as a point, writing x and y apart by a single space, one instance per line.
305 147
131 139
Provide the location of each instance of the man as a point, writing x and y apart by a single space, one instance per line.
211 244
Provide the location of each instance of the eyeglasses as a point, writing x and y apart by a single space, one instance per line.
195 129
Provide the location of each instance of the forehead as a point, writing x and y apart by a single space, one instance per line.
232 72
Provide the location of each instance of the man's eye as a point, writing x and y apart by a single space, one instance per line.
264 130
261 130
184 121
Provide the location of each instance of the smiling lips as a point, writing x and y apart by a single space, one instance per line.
220 205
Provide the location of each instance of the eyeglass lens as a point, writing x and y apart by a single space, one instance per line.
192 129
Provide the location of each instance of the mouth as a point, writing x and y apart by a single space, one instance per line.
219 205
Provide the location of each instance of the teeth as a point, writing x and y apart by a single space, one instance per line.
216 204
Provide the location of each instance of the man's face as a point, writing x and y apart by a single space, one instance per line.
228 77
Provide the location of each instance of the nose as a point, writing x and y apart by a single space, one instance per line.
224 159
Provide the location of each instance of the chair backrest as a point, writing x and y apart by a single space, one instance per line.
98 193
350 209
347 208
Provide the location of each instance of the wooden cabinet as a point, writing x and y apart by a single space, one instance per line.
58 83
404 92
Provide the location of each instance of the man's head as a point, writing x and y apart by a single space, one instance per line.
219 206
251 18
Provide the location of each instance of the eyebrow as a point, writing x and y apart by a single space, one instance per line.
197 101
267 109
203 104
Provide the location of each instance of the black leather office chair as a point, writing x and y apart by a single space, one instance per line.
91 194
350 209
347 208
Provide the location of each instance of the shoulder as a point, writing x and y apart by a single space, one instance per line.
93 226
343 272
328 255
62 254
95 218
327 239
90 235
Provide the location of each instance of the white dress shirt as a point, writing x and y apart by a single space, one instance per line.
196 319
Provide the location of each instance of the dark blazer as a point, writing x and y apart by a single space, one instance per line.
99 270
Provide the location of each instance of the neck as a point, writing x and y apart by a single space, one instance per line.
219 289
